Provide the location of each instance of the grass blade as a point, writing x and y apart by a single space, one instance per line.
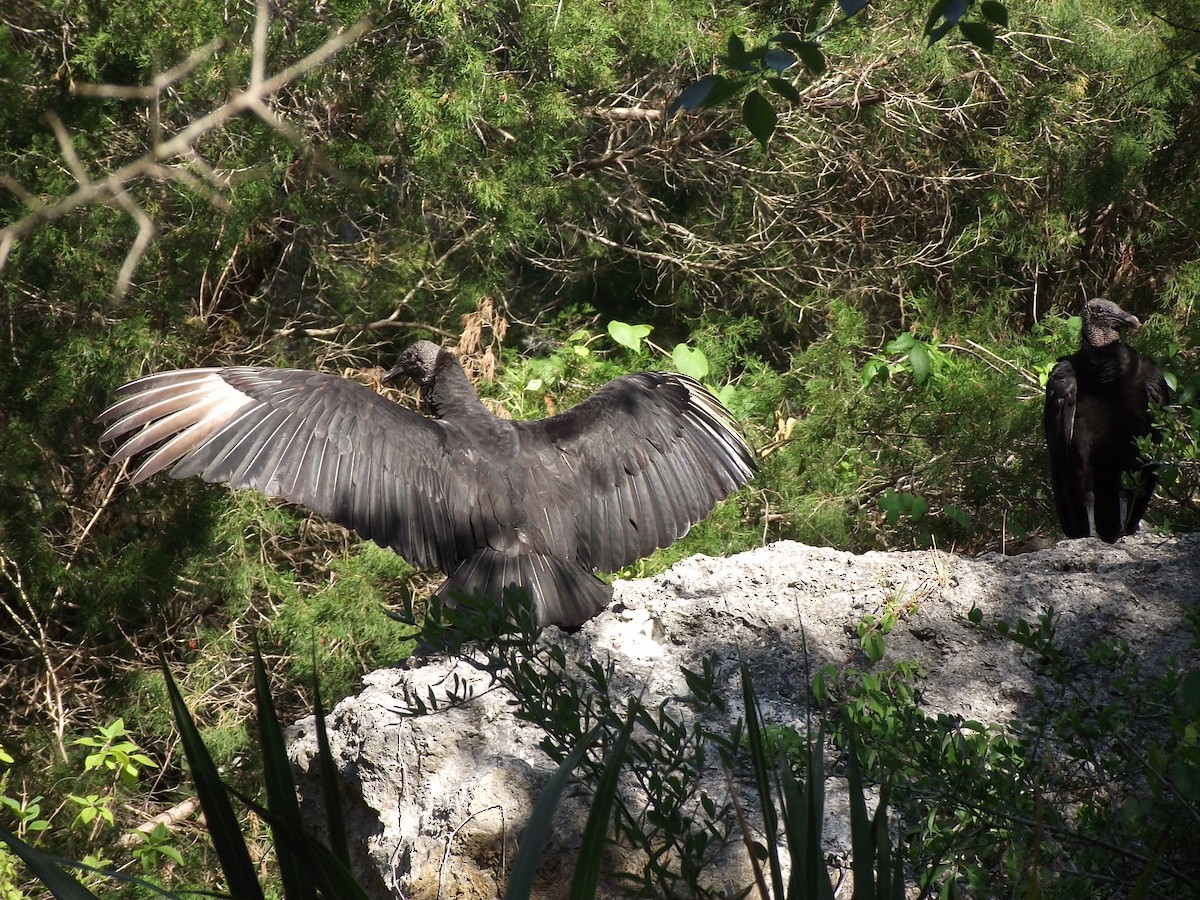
862 835
763 769
281 788
61 884
223 826
591 853
329 876
520 880
331 795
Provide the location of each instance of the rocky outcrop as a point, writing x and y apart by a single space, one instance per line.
437 803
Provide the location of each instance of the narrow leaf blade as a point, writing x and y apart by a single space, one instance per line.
223 826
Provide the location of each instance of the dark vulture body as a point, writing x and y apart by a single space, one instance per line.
1097 403
539 504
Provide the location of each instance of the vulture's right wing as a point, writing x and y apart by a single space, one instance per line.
325 442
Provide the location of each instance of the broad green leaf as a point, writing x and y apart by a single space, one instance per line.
759 116
901 343
980 34
784 89
690 362
874 370
995 12
630 336
918 358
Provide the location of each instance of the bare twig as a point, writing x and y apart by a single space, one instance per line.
114 186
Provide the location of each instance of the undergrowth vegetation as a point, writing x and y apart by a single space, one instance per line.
877 289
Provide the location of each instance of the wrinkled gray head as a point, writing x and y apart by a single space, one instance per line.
418 362
1103 321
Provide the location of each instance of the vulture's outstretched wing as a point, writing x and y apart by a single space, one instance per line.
325 442
649 454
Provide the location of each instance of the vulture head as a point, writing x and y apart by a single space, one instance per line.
1103 321
418 362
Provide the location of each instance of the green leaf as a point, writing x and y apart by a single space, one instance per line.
901 343
591 853
281 790
223 825
762 771
918 358
630 336
692 363
759 116
874 370
331 794
862 835
995 12
784 89
980 34
62 885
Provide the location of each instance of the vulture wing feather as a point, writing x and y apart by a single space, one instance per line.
318 440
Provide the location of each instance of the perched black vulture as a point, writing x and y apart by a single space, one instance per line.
541 504
1097 403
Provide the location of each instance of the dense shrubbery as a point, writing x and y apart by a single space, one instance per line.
879 292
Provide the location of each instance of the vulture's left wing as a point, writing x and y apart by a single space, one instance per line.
643 458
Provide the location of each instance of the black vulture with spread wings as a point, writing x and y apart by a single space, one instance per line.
1098 403
540 504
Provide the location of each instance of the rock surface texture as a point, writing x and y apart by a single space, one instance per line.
437 803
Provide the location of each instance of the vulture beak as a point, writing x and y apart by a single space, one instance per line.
391 375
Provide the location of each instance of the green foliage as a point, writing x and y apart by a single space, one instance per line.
667 751
1078 797
877 301
308 868
114 753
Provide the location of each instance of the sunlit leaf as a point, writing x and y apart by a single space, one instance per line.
690 362
901 343
630 336
918 358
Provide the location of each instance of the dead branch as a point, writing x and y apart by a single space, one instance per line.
114 187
